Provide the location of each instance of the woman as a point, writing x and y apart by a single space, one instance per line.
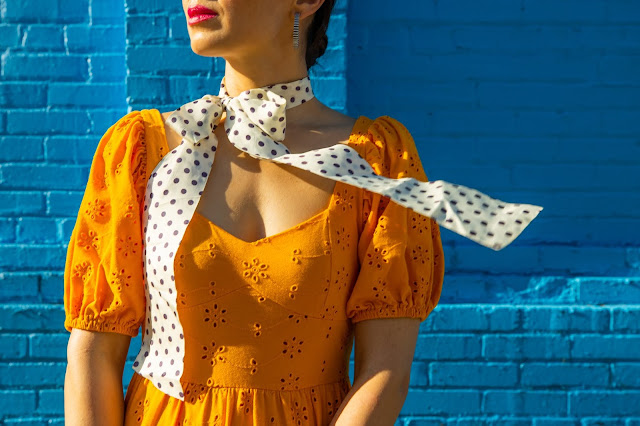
249 275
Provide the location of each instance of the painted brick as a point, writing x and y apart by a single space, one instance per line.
40 122
91 39
533 403
12 346
19 287
592 403
48 346
21 148
16 402
30 317
43 37
31 374
107 68
9 35
525 347
566 318
23 95
447 347
86 95
474 374
567 374
50 401
44 66
449 402
625 319
625 375
613 347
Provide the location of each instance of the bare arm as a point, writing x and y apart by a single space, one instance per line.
383 357
93 380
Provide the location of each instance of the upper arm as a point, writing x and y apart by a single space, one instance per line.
87 343
386 345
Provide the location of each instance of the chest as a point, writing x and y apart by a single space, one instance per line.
252 199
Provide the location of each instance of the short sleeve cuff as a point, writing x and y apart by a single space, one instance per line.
392 312
101 325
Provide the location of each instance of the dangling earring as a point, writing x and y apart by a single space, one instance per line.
296 23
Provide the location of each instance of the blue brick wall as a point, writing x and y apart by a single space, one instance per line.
530 101
62 87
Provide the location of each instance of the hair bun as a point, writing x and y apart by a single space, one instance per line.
317 39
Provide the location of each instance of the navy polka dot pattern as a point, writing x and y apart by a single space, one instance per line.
256 124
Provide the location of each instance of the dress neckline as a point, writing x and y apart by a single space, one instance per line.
324 214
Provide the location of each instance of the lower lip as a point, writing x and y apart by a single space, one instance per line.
199 18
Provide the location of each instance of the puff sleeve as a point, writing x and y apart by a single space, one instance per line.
103 277
400 251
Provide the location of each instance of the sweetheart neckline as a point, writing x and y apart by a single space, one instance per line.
325 212
322 215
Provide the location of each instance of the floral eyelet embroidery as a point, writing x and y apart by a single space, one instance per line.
380 289
378 257
255 270
300 413
289 382
419 222
210 352
88 240
118 278
291 347
214 315
127 246
420 254
83 270
97 210
342 238
345 199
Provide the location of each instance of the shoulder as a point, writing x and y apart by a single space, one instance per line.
121 151
388 145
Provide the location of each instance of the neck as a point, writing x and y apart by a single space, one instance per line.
241 77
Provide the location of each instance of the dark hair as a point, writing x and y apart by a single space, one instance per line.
317 39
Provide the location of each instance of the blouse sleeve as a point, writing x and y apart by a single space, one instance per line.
400 251
103 277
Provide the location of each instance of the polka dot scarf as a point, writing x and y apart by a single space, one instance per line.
256 124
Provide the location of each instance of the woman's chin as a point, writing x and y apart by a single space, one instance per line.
204 47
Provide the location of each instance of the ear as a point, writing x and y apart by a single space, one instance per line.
307 8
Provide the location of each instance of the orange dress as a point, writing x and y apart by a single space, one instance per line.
268 324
